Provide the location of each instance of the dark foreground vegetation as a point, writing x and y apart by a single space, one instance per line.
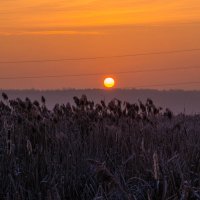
91 151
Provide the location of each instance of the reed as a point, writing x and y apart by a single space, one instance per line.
88 151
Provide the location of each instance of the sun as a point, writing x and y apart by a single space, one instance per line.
109 82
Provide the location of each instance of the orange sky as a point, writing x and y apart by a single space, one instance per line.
50 29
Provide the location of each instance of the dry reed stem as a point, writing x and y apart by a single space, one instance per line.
156 166
29 147
106 178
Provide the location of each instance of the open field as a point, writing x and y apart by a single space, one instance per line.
88 151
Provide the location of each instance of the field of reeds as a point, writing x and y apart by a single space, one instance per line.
89 151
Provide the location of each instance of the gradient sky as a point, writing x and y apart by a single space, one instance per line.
51 29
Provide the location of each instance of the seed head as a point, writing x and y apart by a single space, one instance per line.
5 96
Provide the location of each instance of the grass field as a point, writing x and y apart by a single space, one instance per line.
91 151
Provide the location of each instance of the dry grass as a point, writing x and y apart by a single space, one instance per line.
91 151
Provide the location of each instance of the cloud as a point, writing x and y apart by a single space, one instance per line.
48 32
72 13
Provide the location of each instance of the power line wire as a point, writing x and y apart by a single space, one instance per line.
100 57
99 74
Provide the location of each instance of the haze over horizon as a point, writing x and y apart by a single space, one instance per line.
51 30
176 100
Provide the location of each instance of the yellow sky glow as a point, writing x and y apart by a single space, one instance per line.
56 29
23 14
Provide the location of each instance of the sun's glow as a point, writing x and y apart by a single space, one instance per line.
109 82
